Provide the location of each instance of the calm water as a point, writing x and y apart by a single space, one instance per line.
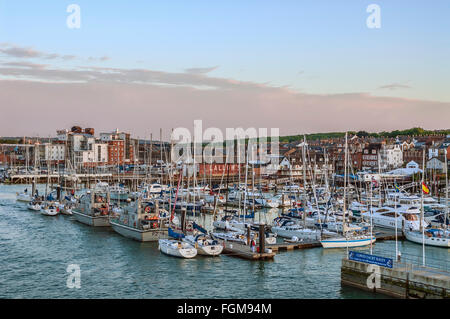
37 249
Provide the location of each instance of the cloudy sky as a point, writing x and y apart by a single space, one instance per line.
300 66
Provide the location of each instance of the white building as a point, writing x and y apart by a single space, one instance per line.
96 154
54 152
392 156
433 152
436 164
62 135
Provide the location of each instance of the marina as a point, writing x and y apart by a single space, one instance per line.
178 213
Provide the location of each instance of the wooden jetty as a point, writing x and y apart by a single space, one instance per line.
387 234
291 246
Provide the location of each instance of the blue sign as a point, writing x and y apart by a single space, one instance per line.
370 259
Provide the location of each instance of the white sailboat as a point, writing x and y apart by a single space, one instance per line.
204 245
433 236
177 248
50 210
349 237
34 206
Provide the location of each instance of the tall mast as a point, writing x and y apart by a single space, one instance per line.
245 187
304 179
194 171
422 228
446 190
345 180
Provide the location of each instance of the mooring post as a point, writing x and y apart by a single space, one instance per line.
262 238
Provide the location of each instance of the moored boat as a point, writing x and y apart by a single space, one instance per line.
177 248
93 209
140 223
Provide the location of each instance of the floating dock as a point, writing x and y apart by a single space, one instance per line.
291 246
244 251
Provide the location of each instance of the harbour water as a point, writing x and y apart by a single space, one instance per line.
37 249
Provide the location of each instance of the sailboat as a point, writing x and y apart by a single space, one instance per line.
177 248
432 236
349 237
49 209
204 244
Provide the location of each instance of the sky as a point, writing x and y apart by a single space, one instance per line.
300 66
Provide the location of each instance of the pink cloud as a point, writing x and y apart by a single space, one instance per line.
30 108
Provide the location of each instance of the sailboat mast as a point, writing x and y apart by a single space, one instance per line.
246 176
422 228
446 190
194 172
345 180
304 179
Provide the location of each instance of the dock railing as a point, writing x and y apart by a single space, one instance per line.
415 262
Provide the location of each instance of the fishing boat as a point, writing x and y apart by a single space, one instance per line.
93 209
140 221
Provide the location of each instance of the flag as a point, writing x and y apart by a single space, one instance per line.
397 189
425 188
374 182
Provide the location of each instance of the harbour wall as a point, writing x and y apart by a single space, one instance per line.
400 282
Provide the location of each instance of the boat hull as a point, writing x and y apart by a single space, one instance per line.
34 208
429 241
96 221
342 243
24 198
167 249
311 235
210 250
137 234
